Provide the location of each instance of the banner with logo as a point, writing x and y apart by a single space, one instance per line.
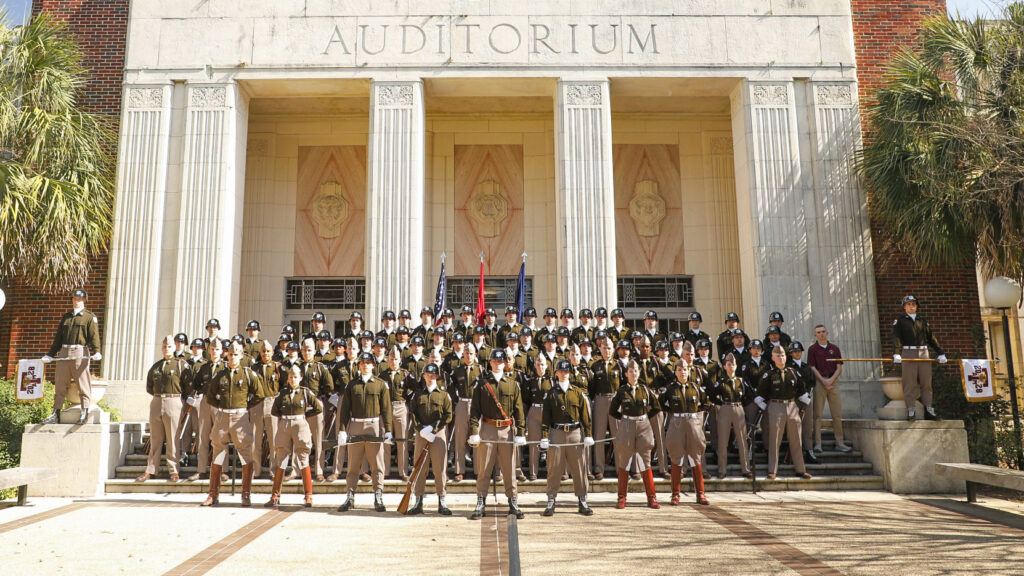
979 384
30 381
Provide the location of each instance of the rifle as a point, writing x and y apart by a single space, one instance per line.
183 421
751 439
417 468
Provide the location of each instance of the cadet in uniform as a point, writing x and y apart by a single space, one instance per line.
190 429
685 402
803 370
726 344
164 383
317 378
533 396
261 413
633 406
77 335
731 393
695 334
401 385
607 374
292 408
775 319
496 423
231 392
205 410
253 342
431 410
566 422
366 421
782 388
911 337
464 381
181 345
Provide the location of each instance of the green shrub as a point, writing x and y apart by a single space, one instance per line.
14 416
985 441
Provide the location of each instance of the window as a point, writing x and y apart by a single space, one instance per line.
325 294
499 292
670 296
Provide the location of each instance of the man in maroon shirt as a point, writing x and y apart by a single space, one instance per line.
826 375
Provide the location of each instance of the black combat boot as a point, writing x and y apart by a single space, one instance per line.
378 502
514 510
478 512
550 509
442 508
417 509
584 508
349 503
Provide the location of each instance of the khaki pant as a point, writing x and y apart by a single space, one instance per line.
400 420
501 455
231 427
534 420
566 458
732 418
291 436
437 460
316 428
634 442
263 423
658 425
603 423
917 378
784 418
685 439
68 371
164 412
370 452
460 434
206 414
835 407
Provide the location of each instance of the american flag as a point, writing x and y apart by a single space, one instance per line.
442 294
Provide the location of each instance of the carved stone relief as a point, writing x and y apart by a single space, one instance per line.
647 208
488 208
330 210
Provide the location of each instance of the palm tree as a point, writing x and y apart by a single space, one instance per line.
56 162
945 164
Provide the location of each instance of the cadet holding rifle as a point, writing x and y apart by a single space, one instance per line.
431 411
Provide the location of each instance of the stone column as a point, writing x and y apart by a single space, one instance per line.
131 330
841 269
394 207
585 206
212 192
770 205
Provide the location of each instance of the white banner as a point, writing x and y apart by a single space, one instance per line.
979 385
30 380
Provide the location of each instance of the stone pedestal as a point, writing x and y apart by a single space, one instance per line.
896 409
84 456
905 453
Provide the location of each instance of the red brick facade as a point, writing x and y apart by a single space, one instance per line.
949 298
28 320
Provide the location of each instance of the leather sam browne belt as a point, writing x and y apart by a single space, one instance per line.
498 423
634 418
567 427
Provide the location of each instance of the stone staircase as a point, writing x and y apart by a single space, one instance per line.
834 471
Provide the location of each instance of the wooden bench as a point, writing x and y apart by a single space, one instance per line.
22 477
975 474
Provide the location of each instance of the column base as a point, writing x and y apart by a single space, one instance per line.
905 453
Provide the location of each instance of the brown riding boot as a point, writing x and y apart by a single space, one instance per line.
247 473
212 497
652 496
275 494
623 481
307 485
677 478
698 484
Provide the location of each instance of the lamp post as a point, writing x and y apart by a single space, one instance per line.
1004 293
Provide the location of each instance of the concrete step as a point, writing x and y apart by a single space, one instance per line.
830 469
732 484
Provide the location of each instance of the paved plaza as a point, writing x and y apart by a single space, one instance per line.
769 533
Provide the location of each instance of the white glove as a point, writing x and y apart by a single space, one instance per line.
942 358
96 357
544 444
342 437
473 440
897 359
520 440
588 441
388 436
427 435
333 400
47 359
429 428
190 401
805 399
761 403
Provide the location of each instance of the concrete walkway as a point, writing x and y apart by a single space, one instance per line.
771 533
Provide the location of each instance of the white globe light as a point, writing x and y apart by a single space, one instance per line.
1002 292
3 299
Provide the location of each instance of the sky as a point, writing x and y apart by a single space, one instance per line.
16 10
971 8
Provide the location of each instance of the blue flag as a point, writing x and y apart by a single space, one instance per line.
442 294
521 291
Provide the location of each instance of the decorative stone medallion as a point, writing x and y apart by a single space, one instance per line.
770 95
145 98
208 97
647 208
394 95
330 210
833 95
488 208
583 94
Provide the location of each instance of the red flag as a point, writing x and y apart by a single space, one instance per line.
481 306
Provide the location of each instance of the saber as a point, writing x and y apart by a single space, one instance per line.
933 360
751 437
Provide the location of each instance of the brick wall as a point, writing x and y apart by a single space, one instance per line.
30 316
949 298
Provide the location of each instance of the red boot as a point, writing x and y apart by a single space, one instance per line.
275 494
213 498
307 486
677 478
247 473
623 481
652 496
698 484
